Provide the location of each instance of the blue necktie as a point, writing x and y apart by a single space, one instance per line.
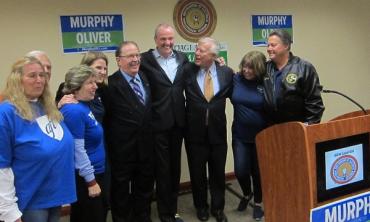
135 86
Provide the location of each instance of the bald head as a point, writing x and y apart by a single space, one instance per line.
43 58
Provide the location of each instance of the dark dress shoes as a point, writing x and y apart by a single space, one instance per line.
202 214
220 216
167 218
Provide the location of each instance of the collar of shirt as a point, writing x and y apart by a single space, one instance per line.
129 77
212 69
158 56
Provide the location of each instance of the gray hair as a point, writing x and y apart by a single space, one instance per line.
76 76
284 35
162 26
36 53
215 46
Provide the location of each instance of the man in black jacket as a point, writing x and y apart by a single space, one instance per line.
164 68
207 86
292 87
127 102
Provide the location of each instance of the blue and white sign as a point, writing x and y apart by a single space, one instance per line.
263 25
82 33
352 209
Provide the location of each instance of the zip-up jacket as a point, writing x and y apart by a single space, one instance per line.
293 93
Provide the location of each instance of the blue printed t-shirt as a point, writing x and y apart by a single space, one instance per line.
41 156
248 100
83 125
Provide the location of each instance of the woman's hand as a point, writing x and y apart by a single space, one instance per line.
221 61
19 220
94 190
66 99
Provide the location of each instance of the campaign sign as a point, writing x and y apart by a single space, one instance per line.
189 50
263 25
352 209
82 33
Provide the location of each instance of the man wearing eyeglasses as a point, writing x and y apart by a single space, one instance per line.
129 139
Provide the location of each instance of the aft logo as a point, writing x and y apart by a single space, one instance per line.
344 169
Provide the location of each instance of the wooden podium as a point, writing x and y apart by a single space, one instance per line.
287 161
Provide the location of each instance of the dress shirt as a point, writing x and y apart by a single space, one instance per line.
201 75
169 64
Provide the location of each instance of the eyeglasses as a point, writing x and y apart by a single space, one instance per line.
138 56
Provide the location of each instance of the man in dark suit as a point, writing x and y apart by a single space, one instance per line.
164 68
129 138
207 87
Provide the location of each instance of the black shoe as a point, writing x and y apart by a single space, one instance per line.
257 212
220 216
244 202
167 219
178 218
202 214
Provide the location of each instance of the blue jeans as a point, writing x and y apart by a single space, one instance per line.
42 215
245 167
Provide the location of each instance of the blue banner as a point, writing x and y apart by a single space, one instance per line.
83 23
263 25
352 209
271 21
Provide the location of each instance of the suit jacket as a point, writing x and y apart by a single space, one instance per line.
127 121
206 121
168 98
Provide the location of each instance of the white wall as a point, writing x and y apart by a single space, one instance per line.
332 34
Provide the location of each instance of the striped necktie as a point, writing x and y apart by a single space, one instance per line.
135 86
208 86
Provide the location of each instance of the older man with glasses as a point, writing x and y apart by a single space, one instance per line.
129 138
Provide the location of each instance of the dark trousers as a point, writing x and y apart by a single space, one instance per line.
107 186
88 209
131 191
168 169
199 155
246 166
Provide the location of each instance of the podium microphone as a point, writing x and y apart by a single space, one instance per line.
339 93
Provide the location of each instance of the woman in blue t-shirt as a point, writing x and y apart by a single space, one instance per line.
249 119
99 62
89 144
36 149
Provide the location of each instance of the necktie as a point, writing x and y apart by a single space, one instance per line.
208 86
135 86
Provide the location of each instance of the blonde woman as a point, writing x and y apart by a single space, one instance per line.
36 148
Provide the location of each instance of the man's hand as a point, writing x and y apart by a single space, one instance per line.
94 190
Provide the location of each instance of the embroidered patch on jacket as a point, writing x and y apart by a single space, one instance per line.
291 78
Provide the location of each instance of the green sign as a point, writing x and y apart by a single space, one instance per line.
189 50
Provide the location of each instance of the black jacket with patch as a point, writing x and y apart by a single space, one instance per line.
298 95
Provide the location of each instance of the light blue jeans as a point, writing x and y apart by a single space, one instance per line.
42 215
